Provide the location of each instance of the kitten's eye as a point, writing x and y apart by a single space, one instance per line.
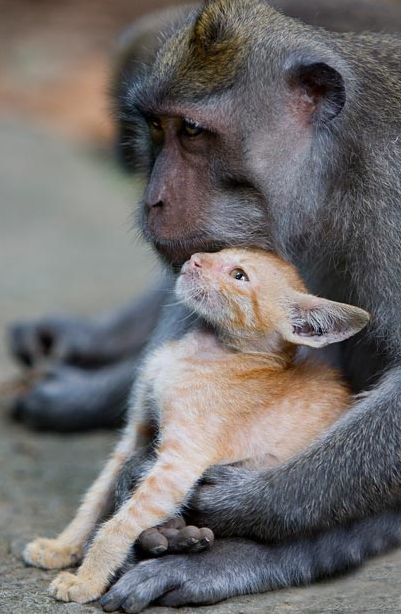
191 128
239 275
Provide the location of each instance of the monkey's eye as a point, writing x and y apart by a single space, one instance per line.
155 124
239 275
191 128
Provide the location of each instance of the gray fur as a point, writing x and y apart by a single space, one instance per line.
237 566
334 210
93 364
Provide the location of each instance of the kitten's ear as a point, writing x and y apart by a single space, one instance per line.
317 322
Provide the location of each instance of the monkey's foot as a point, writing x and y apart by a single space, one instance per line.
68 587
51 554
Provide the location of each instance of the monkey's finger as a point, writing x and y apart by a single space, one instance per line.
188 539
169 534
153 542
174 523
204 542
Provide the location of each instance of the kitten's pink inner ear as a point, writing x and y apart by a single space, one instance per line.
317 322
306 330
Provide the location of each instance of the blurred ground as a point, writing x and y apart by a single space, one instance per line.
55 60
65 245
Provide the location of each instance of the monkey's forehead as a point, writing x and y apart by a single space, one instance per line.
181 72
206 54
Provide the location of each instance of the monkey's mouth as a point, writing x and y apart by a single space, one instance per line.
177 251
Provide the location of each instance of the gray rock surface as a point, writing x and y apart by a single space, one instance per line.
65 245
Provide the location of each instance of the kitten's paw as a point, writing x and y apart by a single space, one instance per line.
51 554
68 587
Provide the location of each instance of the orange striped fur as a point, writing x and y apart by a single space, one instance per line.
233 392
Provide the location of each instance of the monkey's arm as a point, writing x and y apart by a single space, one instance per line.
354 471
236 566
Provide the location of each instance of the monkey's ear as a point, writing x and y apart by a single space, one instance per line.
317 322
318 90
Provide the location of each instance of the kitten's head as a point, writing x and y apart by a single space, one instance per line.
253 294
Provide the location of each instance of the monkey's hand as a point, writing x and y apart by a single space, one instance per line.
224 498
174 537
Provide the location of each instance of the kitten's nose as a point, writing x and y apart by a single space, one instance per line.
195 261
193 264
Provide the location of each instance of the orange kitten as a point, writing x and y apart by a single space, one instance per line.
232 390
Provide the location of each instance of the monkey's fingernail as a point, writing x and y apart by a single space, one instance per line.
158 550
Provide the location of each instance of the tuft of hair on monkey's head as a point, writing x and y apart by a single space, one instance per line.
208 54
255 296
218 41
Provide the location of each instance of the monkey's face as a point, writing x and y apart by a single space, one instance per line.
197 197
224 125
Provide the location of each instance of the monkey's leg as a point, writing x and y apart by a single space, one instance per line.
88 342
237 567
70 399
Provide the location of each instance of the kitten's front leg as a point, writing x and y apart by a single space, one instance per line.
67 549
106 555
158 497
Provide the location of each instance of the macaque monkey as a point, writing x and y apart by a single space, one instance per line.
234 389
255 129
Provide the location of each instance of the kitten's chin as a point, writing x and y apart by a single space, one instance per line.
193 295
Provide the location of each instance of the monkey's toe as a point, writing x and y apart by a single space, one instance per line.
70 399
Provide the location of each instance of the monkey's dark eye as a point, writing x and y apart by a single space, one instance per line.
239 275
191 128
155 124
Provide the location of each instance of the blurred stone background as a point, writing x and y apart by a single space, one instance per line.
66 245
